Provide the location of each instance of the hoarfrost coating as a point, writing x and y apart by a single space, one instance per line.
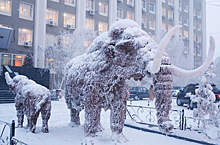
31 99
97 78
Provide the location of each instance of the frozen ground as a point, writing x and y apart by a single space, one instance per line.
61 133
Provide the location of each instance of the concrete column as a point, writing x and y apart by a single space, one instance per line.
191 31
176 17
112 12
138 12
203 11
158 20
80 14
39 33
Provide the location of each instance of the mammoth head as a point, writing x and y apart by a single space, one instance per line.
15 83
126 37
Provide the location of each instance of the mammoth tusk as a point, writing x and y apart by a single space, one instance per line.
196 72
154 66
8 78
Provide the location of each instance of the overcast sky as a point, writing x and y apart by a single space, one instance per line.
213 23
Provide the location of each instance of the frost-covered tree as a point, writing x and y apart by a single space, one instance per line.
205 97
28 61
69 45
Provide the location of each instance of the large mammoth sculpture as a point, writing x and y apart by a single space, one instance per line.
97 78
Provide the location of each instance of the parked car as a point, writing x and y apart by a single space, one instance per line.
138 92
182 98
175 90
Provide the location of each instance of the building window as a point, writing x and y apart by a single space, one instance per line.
170 27
103 9
130 15
144 4
199 26
24 35
170 2
199 39
70 2
164 26
180 5
186 49
90 4
194 12
51 39
55 0
52 15
180 32
6 59
144 21
180 19
89 24
194 37
119 13
152 8
66 41
103 27
130 2
185 7
186 34
26 11
12 59
152 24
5 7
163 12
185 21
199 14
69 19
170 15
194 24
87 43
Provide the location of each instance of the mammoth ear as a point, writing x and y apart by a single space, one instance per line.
8 78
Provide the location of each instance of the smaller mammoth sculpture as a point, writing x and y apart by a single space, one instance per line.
31 99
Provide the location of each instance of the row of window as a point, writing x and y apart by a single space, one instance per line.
12 59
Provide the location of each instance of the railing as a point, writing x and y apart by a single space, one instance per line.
7 132
195 123
147 115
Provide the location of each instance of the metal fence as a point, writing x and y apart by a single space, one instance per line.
7 134
147 115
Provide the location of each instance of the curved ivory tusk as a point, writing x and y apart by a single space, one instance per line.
154 66
196 72
8 78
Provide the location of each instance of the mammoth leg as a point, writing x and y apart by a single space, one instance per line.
45 112
92 119
33 122
20 110
162 87
117 116
75 119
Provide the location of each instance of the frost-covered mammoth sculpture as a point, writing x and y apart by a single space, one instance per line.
31 99
97 78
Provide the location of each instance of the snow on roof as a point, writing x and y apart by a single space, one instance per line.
5 27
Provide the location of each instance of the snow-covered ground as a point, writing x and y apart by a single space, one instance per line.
61 133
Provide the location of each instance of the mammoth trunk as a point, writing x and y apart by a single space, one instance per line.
8 78
163 83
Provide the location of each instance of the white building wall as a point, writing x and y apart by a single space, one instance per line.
203 30
138 12
112 12
158 20
191 43
80 14
40 33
